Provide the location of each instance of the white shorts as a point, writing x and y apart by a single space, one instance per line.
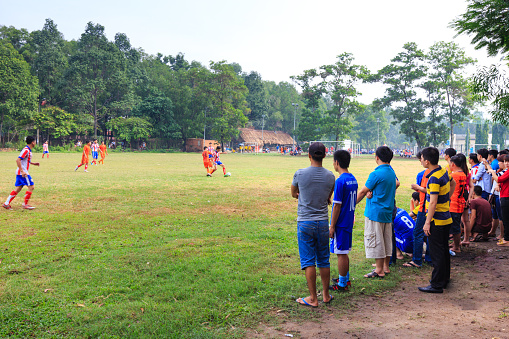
377 239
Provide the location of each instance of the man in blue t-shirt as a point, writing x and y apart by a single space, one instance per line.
378 212
342 218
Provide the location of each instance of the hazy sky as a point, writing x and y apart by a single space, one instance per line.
276 38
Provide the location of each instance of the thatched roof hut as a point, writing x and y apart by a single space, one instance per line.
250 135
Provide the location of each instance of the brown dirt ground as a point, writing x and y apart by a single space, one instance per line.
475 305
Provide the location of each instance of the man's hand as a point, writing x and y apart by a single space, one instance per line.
369 195
426 228
474 181
415 187
23 174
332 229
34 163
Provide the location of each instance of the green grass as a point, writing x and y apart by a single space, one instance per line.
147 246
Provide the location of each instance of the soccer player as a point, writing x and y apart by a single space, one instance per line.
84 157
104 152
217 161
206 161
45 149
23 178
342 218
95 152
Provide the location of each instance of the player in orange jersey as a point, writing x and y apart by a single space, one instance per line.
104 152
206 161
84 157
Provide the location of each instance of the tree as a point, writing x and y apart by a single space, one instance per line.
55 121
499 132
403 77
487 21
257 97
49 61
339 82
437 130
481 132
227 93
309 129
370 126
129 129
95 78
18 88
447 60
311 91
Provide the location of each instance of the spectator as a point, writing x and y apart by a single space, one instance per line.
313 187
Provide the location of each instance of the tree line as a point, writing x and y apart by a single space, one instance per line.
95 87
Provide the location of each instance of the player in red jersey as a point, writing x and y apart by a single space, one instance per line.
84 157
22 177
206 161
103 150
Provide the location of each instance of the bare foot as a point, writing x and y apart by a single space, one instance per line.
465 243
457 250
306 302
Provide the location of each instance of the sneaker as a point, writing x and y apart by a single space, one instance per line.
7 207
86 171
209 175
76 168
27 207
336 281
336 287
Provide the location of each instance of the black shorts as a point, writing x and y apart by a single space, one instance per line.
456 223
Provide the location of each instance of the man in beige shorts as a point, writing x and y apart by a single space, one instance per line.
381 184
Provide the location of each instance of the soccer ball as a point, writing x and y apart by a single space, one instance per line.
228 174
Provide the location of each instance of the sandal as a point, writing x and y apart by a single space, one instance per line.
330 300
411 264
305 303
373 274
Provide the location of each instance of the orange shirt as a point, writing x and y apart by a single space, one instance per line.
102 148
457 200
86 151
205 155
422 196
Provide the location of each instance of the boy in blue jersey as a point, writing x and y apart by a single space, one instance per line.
342 218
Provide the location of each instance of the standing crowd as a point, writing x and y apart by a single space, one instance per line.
448 203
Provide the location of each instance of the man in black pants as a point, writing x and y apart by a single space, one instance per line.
438 220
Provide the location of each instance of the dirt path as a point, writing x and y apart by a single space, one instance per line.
475 305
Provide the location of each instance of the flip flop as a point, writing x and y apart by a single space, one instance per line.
411 264
373 274
503 244
330 300
305 303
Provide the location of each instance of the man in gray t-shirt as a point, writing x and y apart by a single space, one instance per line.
313 187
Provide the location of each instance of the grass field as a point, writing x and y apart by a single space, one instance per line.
148 246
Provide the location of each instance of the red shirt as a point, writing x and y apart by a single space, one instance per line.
457 199
503 181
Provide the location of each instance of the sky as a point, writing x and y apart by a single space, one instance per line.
276 38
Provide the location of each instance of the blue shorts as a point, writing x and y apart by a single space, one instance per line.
45 152
496 213
95 155
313 238
456 223
20 181
219 163
342 241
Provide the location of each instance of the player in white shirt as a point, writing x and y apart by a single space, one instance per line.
45 149
22 176
95 152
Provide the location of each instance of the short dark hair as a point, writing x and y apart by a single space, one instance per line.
218 147
483 152
29 139
473 157
418 155
415 196
384 153
205 147
431 154
501 157
506 157
317 151
450 152
493 152
504 151
343 158
478 190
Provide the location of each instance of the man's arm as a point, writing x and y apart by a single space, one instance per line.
473 213
294 191
452 188
362 193
480 171
433 199
18 162
418 188
336 210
